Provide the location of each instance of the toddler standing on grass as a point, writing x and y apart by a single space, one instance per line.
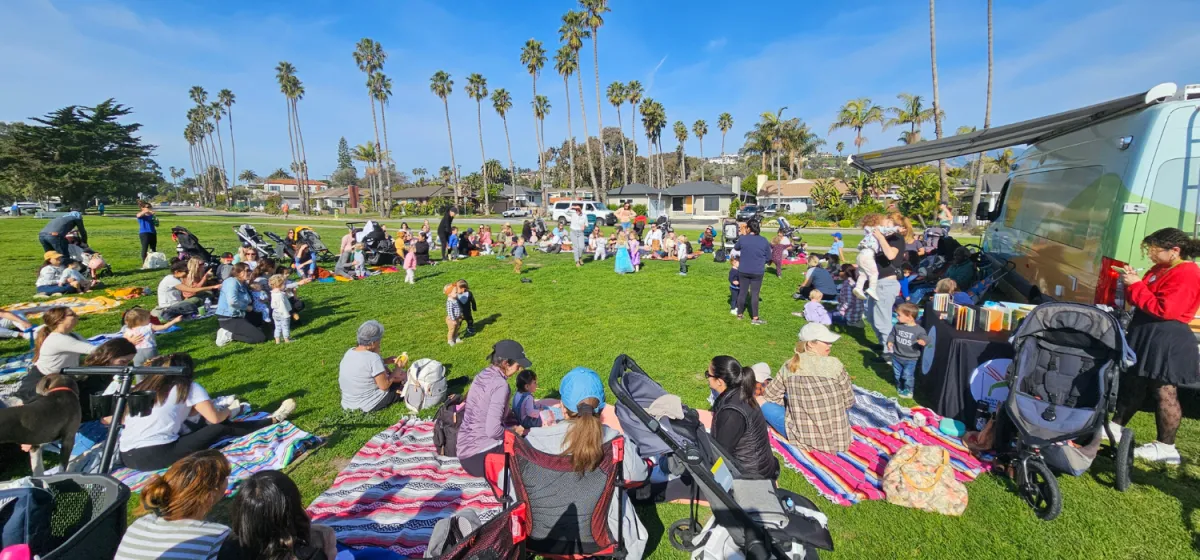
868 272
360 262
905 345
684 250
137 323
466 301
530 412
281 308
454 314
410 266
452 244
518 254
814 312
635 252
734 285
599 247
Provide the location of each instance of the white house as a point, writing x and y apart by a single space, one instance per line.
796 190
699 198
288 189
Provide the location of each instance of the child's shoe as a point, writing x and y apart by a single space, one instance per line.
873 293
859 294
286 408
223 337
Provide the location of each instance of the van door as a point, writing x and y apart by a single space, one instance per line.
1174 179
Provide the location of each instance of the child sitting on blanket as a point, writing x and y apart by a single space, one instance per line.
530 412
73 276
137 323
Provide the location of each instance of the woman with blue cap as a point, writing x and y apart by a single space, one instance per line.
583 437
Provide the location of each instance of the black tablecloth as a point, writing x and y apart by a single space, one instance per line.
944 378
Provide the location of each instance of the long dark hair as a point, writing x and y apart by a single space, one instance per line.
161 385
268 517
1169 238
110 351
736 377
754 227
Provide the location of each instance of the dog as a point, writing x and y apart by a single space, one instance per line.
54 417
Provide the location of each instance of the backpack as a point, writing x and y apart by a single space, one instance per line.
445 426
155 261
720 256
426 385
25 519
449 531
921 477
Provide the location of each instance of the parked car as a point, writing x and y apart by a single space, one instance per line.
560 209
23 207
749 212
515 212
775 209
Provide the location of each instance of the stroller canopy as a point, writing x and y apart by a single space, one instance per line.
1077 318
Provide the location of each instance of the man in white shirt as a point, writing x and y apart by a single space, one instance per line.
578 224
654 235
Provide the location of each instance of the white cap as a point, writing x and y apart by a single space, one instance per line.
762 372
816 332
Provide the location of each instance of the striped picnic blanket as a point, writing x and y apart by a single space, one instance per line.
857 474
271 448
394 490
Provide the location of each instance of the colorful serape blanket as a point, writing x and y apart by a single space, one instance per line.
857 474
271 448
80 305
394 490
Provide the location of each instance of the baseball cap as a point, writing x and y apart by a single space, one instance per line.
816 332
579 384
227 255
837 234
762 372
510 350
51 255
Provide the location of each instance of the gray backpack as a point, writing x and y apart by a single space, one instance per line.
426 385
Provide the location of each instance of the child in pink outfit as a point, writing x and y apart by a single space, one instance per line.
410 266
635 253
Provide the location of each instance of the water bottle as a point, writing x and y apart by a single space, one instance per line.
982 415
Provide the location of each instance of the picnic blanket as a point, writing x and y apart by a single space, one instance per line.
80 305
394 490
271 448
857 474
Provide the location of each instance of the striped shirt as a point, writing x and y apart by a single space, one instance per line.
151 538
453 309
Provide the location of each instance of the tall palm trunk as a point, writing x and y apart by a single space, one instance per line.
537 133
453 164
512 169
987 122
375 122
482 155
601 192
542 157
662 163
221 144
937 119
387 171
192 157
624 157
633 137
232 144
858 139
587 141
682 164
292 145
649 163
303 157
722 156
701 141
571 135
376 195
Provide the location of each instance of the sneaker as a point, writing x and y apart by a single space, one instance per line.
872 293
905 394
450 342
733 312
223 337
683 274
859 294
757 322
798 314
458 341
1158 452
40 295
286 408
1116 431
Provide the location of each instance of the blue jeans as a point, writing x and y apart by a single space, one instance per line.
776 416
56 289
879 309
904 369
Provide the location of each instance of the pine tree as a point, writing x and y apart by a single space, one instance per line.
344 160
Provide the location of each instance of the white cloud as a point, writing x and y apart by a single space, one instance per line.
716 44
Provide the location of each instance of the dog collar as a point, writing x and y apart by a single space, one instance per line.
60 389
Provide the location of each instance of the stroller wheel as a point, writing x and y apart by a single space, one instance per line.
681 533
1124 459
1039 488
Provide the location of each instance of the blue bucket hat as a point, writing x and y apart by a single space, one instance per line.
837 234
581 383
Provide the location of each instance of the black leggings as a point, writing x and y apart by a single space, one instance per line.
149 241
156 457
1167 414
246 329
749 285
444 241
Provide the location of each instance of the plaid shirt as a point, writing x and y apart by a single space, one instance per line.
453 309
850 307
818 395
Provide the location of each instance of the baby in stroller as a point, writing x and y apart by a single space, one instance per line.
92 260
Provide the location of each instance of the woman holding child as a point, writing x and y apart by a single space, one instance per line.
233 303
888 260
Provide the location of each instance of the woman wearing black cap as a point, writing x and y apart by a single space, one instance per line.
487 413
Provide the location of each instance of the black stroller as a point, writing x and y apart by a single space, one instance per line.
311 238
378 249
664 224
188 246
283 249
250 238
762 520
1062 384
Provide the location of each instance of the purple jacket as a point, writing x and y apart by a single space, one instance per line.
486 413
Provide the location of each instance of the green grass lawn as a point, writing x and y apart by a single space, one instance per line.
571 317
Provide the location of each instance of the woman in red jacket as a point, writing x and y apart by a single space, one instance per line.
1166 300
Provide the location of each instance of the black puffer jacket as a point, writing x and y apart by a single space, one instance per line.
741 429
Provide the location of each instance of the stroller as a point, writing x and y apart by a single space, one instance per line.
188 245
664 224
729 233
378 249
283 249
1062 384
79 251
313 240
751 516
250 238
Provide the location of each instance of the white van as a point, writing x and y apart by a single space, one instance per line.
559 210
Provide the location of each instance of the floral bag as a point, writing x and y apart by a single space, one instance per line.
920 477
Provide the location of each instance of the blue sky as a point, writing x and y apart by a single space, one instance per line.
698 58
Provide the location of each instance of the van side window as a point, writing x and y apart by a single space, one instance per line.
1173 201
561 206
1067 206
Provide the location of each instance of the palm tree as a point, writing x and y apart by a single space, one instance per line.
566 63
633 94
369 56
681 134
216 110
572 33
840 147
616 96
502 103
366 153
541 109
533 56
284 72
987 122
381 90
249 176
856 114
911 112
594 18
420 173
700 128
442 86
724 122
227 99
937 106
293 90
477 89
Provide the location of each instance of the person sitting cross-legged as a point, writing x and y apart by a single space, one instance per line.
369 382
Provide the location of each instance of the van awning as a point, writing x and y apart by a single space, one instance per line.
1016 134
